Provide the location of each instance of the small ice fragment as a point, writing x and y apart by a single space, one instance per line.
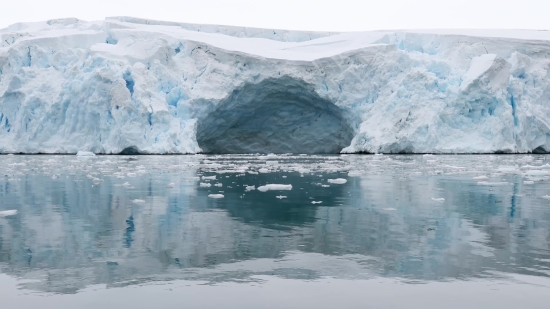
8 213
209 177
205 185
528 182
275 187
325 186
390 209
285 176
485 183
354 173
271 162
481 177
85 154
253 173
546 197
219 185
338 181
250 188
280 197
440 200
216 196
537 173
171 185
314 202
263 170
131 174
378 154
428 156
138 201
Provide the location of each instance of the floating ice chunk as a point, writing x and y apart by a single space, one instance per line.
131 174
481 178
253 173
508 169
528 182
354 173
171 185
314 202
216 196
428 156
338 181
209 177
138 201
546 197
440 200
85 154
275 187
219 185
205 185
97 180
8 213
378 154
250 188
263 170
390 209
537 173
281 197
485 183
272 163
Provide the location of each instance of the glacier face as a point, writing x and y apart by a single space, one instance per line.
137 86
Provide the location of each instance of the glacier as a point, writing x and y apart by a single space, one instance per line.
126 85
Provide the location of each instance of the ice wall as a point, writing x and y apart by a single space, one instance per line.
138 86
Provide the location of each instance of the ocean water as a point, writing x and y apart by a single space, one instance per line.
350 231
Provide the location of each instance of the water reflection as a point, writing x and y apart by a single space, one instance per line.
124 220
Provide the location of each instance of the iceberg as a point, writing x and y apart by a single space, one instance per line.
131 86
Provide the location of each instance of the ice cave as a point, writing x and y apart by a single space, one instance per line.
275 116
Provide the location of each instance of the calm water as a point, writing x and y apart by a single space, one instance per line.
401 232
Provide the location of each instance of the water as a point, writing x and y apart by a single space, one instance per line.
401 232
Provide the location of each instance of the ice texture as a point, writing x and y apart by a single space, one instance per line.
128 86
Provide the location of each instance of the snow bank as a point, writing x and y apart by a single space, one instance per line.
128 86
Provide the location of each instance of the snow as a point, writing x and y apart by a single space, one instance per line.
275 187
8 213
128 85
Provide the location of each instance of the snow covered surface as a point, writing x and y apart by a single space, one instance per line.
128 85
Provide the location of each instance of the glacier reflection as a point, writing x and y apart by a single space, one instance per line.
127 220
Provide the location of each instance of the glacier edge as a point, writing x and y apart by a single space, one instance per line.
128 85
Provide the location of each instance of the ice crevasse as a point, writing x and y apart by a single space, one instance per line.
129 85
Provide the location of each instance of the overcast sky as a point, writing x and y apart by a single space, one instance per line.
336 15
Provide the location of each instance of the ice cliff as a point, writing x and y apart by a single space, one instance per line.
128 85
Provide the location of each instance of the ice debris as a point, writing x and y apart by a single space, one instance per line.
8 213
275 187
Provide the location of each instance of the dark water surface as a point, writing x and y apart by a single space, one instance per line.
401 232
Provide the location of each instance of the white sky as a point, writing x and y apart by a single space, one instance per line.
336 15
